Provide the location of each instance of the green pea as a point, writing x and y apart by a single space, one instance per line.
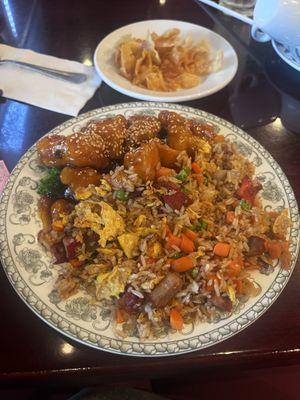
185 190
203 225
245 205
183 174
199 226
121 194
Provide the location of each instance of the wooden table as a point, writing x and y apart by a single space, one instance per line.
263 98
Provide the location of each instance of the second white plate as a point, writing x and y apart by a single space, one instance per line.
104 61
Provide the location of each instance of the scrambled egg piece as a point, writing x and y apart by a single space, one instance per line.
199 253
110 251
101 218
209 166
155 250
231 294
84 193
202 145
114 224
141 219
129 243
144 231
109 284
104 188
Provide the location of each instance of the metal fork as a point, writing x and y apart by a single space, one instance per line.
74 77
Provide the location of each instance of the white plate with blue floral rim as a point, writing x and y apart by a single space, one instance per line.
105 66
32 275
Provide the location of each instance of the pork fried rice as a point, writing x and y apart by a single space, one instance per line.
175 250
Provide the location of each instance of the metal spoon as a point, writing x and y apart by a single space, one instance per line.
74 77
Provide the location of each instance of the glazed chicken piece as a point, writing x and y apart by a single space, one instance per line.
144 160
147 158
79 150
113 132
202 130
141 129
51 150
180 138
168 118
167 155
94 146
184 134
79 177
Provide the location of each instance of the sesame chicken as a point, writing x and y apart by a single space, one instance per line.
93 146
141 129
136 140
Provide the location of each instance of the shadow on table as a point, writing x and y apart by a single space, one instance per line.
115 394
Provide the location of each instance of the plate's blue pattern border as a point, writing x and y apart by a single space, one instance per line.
126 347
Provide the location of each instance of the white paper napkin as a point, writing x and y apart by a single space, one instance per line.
39 90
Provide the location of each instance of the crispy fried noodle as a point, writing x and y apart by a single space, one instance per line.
166 62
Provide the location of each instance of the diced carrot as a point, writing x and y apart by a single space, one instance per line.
230 215
190 234
234 268
183 264
222 249
219 138
196 168
173 241
184 243
121 316
164 171
200 179
187 245
176 320
274 248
